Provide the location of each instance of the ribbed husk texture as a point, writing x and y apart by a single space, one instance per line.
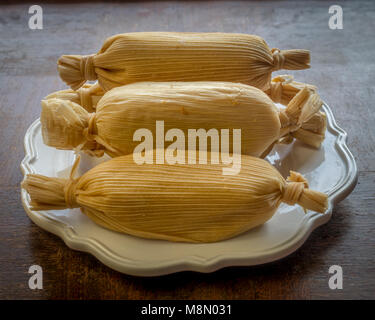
183 105
171 56
181 202
87 96
313 131
282 89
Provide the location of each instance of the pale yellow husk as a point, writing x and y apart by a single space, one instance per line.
182 202
282 90
87 96
172 56
312 132
182 105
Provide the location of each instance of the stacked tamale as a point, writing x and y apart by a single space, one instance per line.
187 81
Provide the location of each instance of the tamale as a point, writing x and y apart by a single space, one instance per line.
181 202
282 89
182 105
172 56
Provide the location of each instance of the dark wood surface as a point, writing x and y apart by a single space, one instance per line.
343 67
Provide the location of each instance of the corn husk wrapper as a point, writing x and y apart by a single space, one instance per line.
283 89
313 131
183 105
172 56
87 96
181 202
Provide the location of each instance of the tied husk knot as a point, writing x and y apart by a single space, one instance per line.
91 131
296 183
87 67
70 186
296 191
294 59
47 193
278 59
75 70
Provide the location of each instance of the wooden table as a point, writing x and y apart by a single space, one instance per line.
343 67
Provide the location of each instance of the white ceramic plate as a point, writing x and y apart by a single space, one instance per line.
332 170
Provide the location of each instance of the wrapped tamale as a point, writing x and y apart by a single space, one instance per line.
282 89
182 105
172 56
181 202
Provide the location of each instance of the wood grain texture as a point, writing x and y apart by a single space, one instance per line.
342 68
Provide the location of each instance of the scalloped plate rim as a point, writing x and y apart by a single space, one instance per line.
193 262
